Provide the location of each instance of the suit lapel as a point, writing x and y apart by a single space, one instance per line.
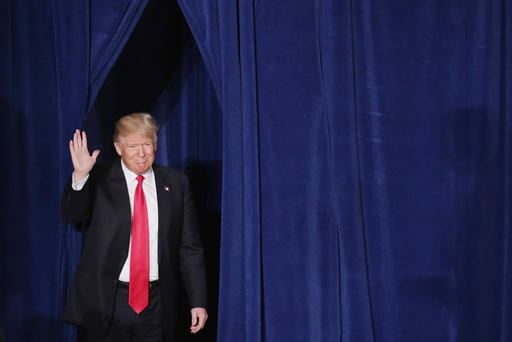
163 193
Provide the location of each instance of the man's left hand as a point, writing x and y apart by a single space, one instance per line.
199 317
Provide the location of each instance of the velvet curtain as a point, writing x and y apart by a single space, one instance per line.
366 168
365 153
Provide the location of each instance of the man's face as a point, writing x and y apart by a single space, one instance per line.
137 152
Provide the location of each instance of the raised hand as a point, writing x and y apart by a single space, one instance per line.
82 160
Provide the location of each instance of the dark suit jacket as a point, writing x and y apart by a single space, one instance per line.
102 211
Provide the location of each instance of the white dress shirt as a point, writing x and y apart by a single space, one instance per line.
149 187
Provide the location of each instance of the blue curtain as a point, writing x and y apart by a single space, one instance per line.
366 168
366 161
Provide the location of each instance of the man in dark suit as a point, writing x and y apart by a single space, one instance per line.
140 238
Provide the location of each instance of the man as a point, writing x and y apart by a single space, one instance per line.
140 237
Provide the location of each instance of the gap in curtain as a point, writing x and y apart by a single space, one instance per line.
160 71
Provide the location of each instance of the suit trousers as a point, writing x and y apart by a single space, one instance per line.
128 326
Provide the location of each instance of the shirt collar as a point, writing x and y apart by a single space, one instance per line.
132 176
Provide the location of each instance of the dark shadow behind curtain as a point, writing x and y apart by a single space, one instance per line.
366 169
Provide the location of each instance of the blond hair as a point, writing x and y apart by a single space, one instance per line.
136 123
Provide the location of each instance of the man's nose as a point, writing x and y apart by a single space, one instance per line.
140 151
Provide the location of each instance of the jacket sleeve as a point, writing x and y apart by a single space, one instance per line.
192 263
76 205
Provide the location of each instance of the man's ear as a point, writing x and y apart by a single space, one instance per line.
118 148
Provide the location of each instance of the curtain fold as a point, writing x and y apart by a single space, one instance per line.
70 92
432 145
111 24
203 21
233 67
337 59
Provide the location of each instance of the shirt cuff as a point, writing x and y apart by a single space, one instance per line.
77 186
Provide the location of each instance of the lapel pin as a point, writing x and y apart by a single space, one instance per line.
166 188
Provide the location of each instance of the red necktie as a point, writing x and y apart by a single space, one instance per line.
139 257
